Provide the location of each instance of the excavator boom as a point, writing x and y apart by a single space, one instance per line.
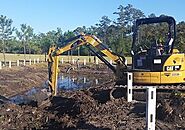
91 42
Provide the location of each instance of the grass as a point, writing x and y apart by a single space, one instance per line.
15 57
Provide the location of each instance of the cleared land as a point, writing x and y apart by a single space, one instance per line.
100 106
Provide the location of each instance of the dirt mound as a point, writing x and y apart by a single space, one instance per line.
172 110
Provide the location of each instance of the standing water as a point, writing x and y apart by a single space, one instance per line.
65 82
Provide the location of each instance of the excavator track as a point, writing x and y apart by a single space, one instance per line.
166 88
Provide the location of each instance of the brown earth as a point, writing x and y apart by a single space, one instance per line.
19 79
100 106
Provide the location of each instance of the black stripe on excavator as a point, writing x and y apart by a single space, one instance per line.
102 47
102 59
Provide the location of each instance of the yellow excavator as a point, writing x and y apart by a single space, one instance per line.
156 63
151 64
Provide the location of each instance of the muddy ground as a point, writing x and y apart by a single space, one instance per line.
100 106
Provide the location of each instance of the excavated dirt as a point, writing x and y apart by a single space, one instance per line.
100 106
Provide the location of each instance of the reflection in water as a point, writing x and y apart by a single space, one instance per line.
25 97
65 82
74 83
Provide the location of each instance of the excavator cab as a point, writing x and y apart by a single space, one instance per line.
157 63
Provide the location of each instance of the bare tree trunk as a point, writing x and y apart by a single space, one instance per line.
78 51
68 54
4 52
24 49
29 51
45 56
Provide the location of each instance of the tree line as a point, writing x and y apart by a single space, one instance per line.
117 34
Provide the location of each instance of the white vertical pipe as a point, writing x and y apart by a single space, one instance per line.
129 86
84 61
62 61
24 62
37 60
10 64
62 77
0 65
34 61
151 108
96 81
30 61
17 62
84 79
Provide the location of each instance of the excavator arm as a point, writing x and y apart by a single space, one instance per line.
91 42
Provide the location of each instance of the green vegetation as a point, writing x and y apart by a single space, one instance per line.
116 34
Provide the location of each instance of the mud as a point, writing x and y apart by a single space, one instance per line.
98 106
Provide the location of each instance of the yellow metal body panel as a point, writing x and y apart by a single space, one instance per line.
159 77
174 60
173 72
147 77
172 77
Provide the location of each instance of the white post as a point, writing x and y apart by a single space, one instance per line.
62 77
96 80
150 108
10 64
24 62
97 61
84 61
33 61
84 80
62 61
30 61
129 86
17 62
0 65
73 61
37 60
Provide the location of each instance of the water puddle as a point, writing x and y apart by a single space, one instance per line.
65 82
31 97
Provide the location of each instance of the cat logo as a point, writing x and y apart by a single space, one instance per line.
172 68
